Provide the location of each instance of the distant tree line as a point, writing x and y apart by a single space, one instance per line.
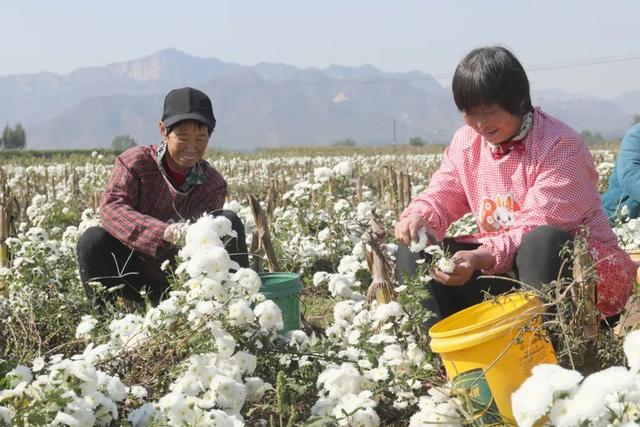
13 138
123 142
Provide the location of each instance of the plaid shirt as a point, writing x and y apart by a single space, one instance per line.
549 179
140 201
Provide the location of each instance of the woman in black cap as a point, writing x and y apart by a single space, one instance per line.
152 191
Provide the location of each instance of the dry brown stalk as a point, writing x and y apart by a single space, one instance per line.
406 187
264 237
381 268
586 315
4 234
359 189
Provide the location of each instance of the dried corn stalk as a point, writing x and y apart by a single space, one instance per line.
264 237
586 315
381 268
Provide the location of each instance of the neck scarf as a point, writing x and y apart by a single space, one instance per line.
195 175
501 149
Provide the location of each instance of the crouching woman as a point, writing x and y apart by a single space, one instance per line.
152 191
531 184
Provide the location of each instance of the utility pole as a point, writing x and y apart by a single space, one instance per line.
394 130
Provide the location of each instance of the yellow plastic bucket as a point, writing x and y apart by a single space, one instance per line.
489 349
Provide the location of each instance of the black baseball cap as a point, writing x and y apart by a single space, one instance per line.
187 103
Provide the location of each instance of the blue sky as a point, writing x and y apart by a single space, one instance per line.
431 36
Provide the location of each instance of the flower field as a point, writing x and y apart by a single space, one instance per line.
214 353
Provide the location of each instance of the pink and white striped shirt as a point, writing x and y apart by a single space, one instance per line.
549 179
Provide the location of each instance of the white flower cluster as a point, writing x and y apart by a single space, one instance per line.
70 391
607 397
439 408
629 234
391 361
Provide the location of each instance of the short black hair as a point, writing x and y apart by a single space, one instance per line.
491 75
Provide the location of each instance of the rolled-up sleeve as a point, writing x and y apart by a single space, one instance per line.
444 201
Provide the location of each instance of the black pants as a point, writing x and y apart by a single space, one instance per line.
537 262
103 258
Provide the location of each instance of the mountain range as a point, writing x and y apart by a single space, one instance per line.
262 106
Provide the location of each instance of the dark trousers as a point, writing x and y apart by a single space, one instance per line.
103 258
537 262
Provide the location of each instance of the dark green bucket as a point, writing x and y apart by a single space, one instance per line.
284 289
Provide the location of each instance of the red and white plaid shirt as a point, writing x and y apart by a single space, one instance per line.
550 179
140 202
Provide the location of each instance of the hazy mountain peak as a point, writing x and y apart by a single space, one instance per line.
268 104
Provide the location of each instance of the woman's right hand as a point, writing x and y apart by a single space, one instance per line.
406 229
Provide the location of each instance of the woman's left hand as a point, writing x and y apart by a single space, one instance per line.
465 263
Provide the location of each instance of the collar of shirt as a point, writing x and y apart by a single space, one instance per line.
516 143
195 175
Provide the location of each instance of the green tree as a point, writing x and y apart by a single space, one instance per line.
6 133
123 142
14 139
345 143
416 141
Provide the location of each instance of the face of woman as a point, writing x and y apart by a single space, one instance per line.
186 144
494 123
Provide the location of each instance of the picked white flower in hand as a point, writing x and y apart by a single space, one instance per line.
422 242
446 265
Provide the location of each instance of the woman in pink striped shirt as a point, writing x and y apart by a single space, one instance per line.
531 184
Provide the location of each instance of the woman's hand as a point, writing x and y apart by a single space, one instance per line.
465 264
406 229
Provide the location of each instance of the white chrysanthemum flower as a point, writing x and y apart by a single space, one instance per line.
323 406
230 394
144 416
631 348
248 280
363 210
223 227
269 315
246 361
341 286
38 364
256 388
324 234
360 408
319 278
380 373
212 289
203 234
340 205
344 310
20 374
422 242
349 264
385 311
138 391
392 355
85 327
5 416
128 331
240 313
344 168
322 174
534 397
589 401
446 265
213 263
298 339
338 381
